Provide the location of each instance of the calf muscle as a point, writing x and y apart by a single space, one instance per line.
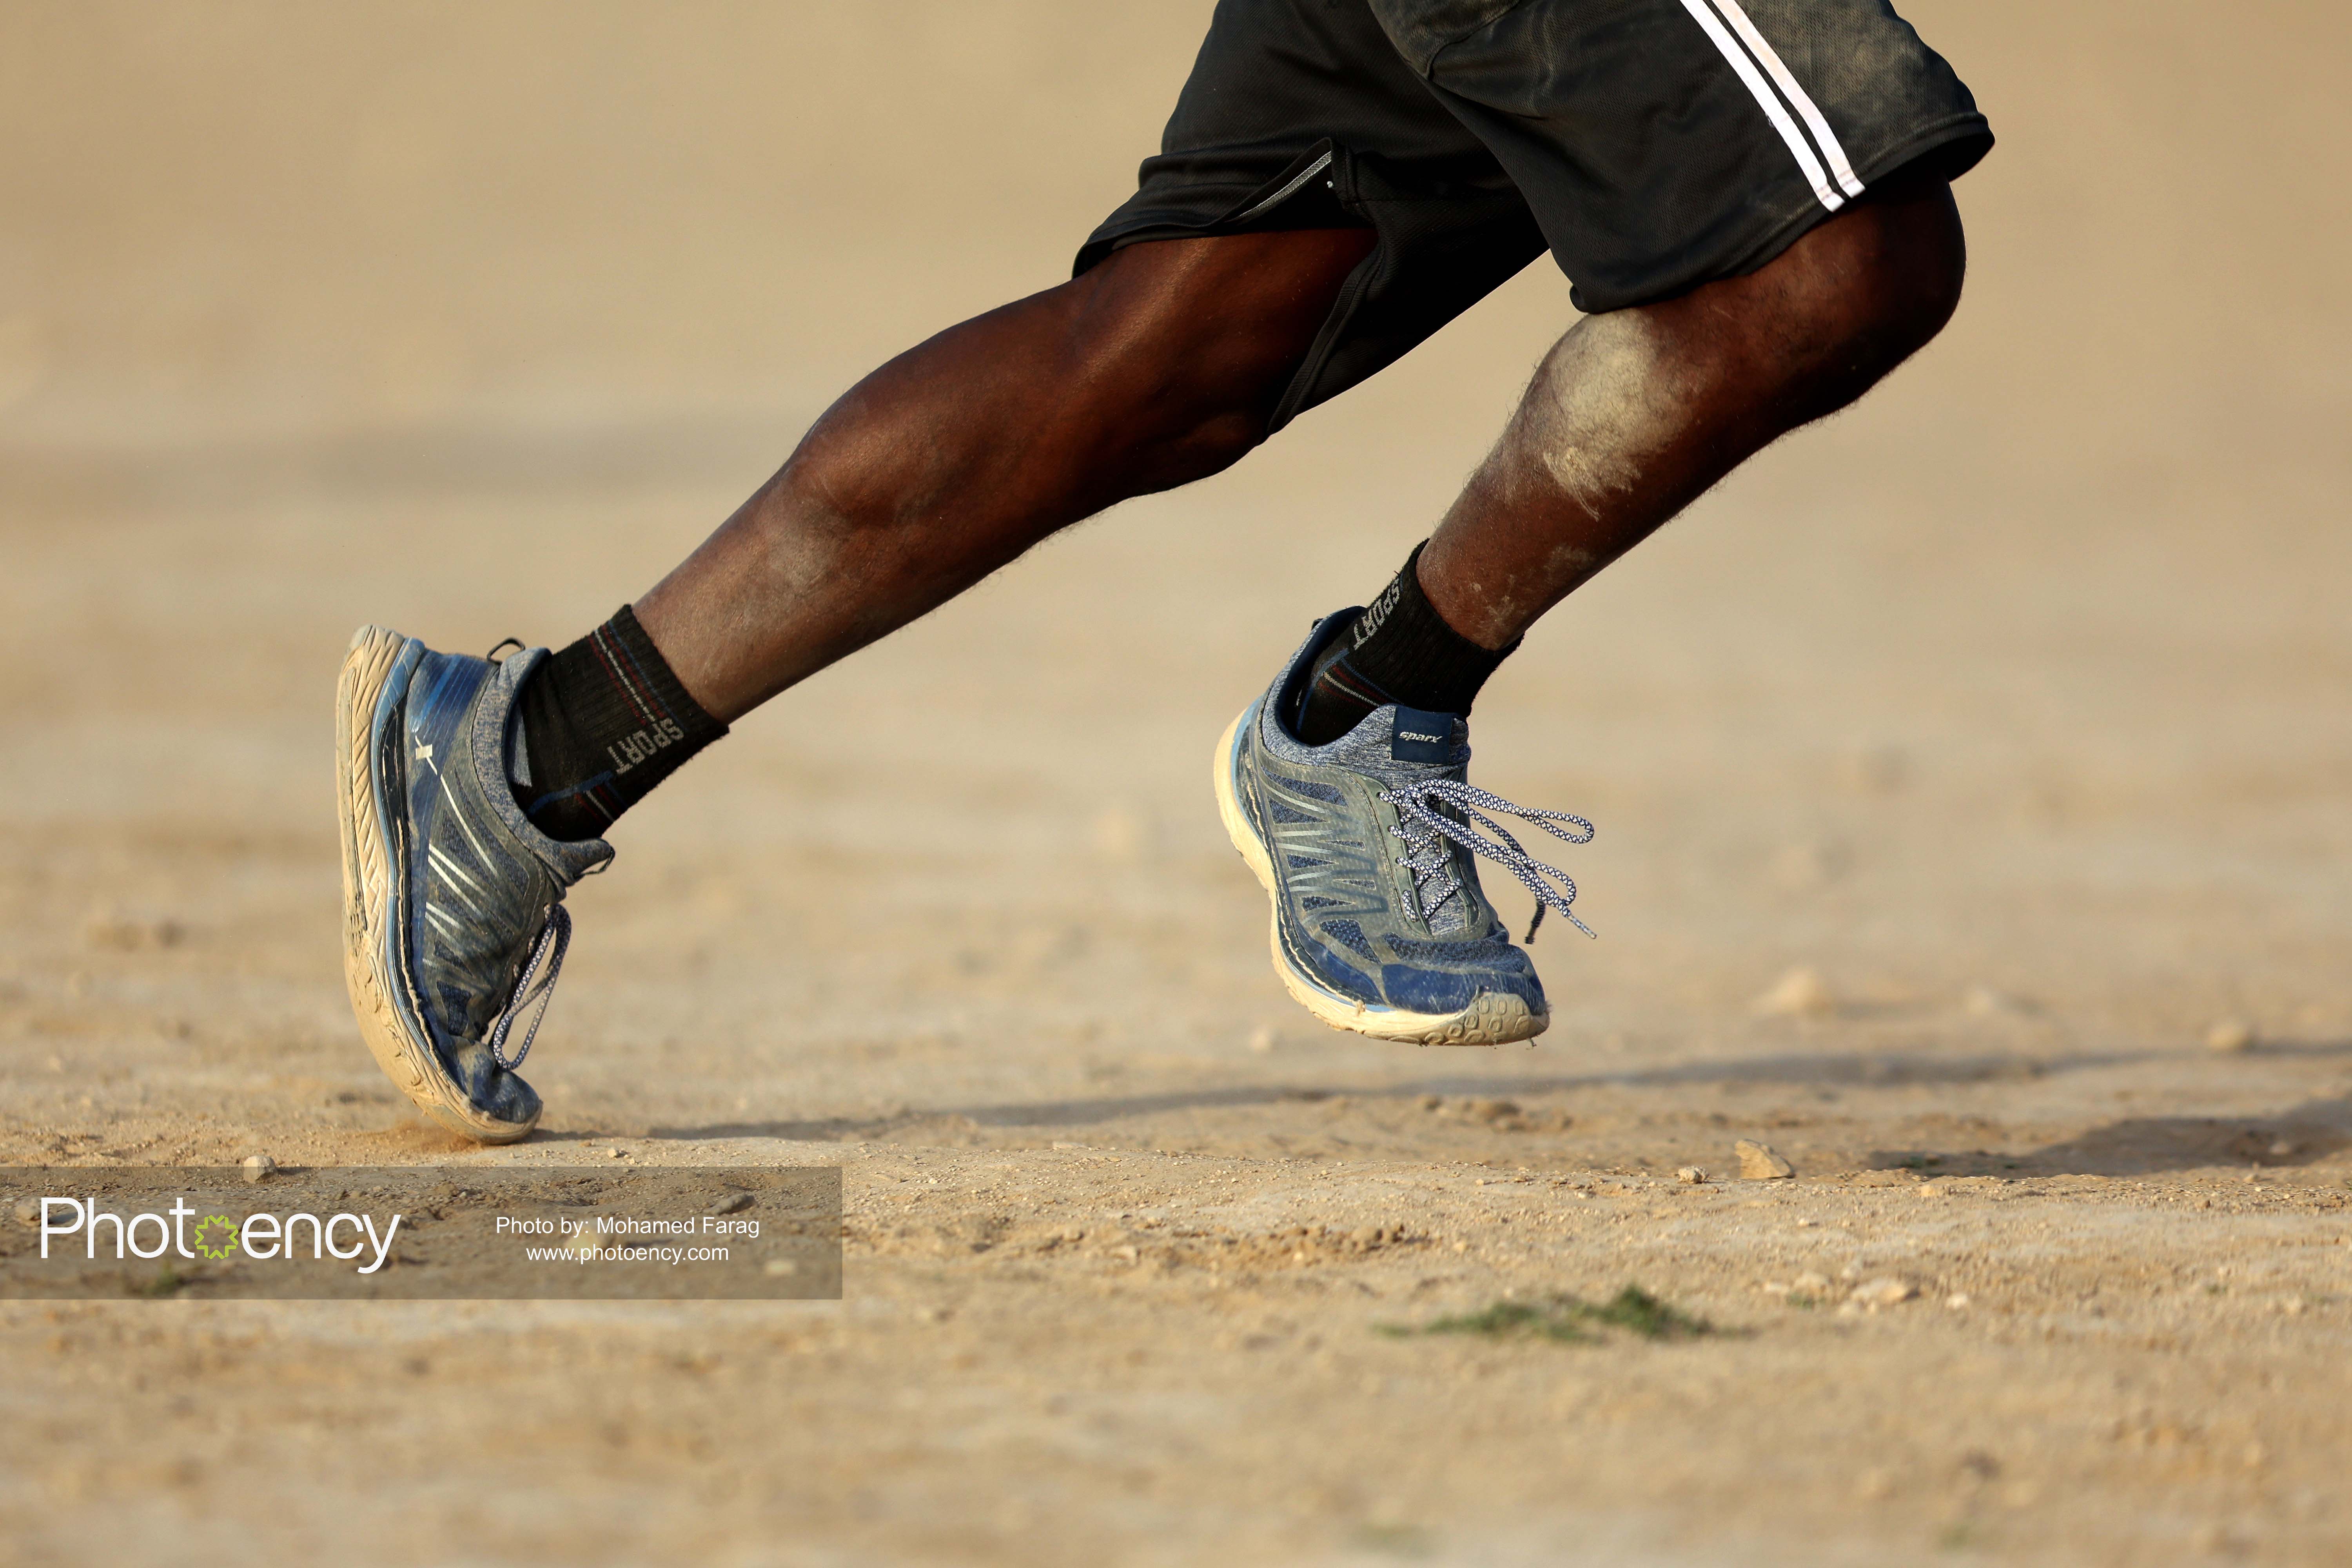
1634 413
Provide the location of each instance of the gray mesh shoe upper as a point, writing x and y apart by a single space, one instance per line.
477 904
1371 840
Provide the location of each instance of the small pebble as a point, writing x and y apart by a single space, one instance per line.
1885 1291
1760 1162
28 1212
1690 1175
1811 1282
2280 1149
258 1168
1262 1039
1957 1300
1368 1235
1984 1002
133 934
1800 993
2230 1035
616 1153
733 1202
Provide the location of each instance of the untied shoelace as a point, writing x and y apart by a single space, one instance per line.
1419 806
535 983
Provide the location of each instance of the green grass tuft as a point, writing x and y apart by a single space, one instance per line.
165 1282
1507 1318
1635 1309
1566 1319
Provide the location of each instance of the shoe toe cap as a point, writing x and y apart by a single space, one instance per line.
493 1090
1447 991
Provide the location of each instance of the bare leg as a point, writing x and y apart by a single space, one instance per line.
1633 415
1158 367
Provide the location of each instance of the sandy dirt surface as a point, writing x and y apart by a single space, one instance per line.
2011 707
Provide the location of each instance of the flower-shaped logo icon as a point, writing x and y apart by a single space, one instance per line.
223 1233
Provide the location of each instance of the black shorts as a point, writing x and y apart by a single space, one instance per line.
1651 145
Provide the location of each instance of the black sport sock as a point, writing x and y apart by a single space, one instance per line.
602 722
1400 650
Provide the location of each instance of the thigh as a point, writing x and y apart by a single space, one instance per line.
1664 143
1302 114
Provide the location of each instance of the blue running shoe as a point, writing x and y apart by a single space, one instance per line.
1366 847
454 925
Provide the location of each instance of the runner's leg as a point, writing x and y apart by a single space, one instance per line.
1636 413
1154 368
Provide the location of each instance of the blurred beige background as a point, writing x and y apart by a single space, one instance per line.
2012 705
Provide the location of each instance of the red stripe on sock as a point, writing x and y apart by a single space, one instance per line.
648 709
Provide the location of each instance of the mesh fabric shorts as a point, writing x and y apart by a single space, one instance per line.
1651 145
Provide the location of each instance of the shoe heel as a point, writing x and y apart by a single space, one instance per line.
367 864
1229 805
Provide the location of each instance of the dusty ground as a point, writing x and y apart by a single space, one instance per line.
2012 705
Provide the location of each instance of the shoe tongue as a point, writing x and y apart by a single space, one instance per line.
1424 744
1418 736
1404 746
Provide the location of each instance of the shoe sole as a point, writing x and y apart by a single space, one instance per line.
1491 1020
371 966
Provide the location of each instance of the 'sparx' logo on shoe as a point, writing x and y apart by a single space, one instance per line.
1421 737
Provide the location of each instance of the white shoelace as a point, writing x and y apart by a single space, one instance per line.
1417 806
532 985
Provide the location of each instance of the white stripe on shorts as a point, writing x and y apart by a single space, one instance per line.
1815 121
1744 69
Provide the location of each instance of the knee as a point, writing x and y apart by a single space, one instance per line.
1193 342
1875 285
1918 264
1194 438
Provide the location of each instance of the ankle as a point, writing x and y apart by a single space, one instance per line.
1399 650
597 726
